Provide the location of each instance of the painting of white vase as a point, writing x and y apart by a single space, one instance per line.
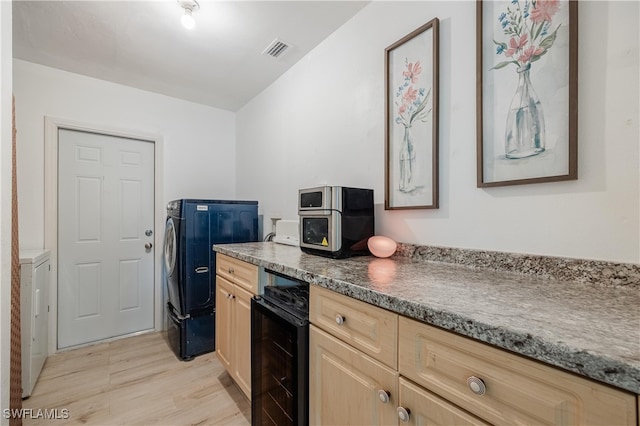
527 96
411 71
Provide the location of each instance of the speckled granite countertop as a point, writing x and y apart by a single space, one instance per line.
589 329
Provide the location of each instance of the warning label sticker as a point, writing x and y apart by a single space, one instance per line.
325 242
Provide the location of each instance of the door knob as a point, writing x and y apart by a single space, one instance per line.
476 385
404 414
384 396
148 246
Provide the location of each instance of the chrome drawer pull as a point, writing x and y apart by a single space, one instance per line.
340 319
476 385
404 414
202 270
384 396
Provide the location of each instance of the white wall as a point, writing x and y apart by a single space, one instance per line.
199 141
5 202
323 122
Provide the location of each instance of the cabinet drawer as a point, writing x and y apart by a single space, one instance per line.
238 272
425 408
371 329
518 390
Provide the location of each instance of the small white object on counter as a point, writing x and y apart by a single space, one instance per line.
287 232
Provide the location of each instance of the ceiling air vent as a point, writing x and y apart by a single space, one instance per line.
277 48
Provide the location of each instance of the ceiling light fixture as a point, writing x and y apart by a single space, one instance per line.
189 6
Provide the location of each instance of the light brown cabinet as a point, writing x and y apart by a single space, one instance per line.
352 361
440 379
368 328
344 384
504 388
242 274
426 408
224 319
242 348
354 378
236 284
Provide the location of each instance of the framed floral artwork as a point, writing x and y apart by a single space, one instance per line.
527 91
411 111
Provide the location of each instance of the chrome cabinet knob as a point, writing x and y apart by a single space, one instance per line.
476 385
148 246
384 396
403 414
340 319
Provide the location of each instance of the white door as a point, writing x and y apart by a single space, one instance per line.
105 219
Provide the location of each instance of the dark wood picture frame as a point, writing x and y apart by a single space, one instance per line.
411 114
524 41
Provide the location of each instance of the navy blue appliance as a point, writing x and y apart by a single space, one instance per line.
192 227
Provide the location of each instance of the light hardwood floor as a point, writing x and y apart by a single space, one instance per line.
136 381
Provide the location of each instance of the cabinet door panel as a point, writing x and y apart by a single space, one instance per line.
428 409
242 316
344 385
224 321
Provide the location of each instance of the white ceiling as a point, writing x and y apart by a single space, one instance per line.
142 43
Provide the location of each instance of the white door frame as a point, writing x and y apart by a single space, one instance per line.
51 127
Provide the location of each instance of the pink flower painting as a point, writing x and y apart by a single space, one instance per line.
411 100
543 11
527 25
412 72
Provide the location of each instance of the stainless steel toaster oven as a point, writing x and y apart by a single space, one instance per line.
335 221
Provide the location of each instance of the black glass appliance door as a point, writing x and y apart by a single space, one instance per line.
279 366
315 231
